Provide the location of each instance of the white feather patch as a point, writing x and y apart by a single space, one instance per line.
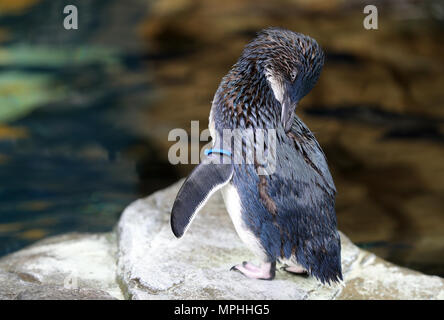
276 86
234 208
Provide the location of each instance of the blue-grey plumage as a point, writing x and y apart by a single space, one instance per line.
290 212
288 215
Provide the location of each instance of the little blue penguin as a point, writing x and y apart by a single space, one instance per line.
285 215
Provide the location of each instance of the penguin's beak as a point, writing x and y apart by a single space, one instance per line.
287 115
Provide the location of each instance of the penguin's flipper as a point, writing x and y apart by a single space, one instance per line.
208 177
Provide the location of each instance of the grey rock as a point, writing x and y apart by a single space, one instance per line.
153 264
23 287
146 261
71 266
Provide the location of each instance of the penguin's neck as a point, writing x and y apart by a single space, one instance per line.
247 99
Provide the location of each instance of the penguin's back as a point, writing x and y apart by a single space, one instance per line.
291 211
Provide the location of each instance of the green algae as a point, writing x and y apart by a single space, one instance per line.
22 92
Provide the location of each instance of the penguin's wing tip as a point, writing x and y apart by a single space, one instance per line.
203 181
174 227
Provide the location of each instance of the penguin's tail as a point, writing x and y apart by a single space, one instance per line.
322 259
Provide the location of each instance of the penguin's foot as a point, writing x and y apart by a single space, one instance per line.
265 272
295 269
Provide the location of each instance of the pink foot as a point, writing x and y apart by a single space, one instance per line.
265 272
295 269
250 266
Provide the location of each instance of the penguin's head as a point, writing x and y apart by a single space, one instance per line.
290 61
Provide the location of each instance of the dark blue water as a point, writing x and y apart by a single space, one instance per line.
77 165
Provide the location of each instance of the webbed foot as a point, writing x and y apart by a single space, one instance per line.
266 271
296 270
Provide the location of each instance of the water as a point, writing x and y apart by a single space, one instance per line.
67 163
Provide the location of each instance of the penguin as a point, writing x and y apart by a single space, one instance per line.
285 215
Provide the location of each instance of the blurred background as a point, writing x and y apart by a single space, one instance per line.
85 114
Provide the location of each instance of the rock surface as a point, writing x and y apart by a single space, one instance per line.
152 264
72 266
145 261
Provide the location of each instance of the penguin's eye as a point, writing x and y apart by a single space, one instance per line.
293 75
